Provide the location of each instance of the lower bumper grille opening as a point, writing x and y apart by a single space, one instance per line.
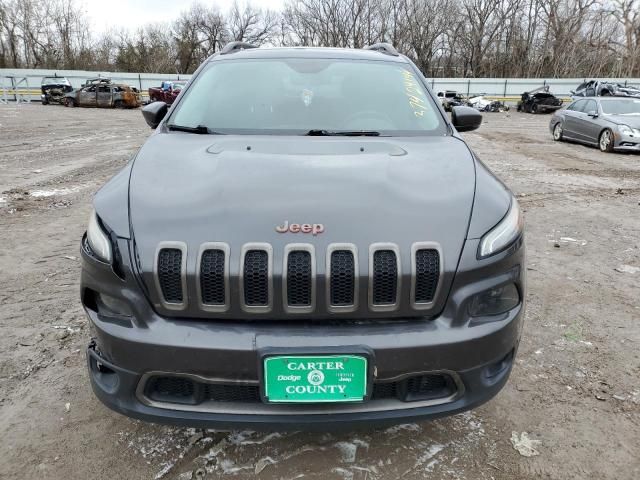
187 391
171 390
429 387
232 393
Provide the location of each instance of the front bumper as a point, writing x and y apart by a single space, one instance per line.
125 352
119 389
624 143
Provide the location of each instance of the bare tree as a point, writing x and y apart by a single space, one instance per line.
251 25
498 38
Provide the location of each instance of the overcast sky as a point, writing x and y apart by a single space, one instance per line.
130 14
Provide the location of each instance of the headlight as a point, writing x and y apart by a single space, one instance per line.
503 234
494 301
628 131
98 240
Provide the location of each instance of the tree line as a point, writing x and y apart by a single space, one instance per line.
445 38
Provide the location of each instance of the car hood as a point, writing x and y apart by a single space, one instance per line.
632 121
237 189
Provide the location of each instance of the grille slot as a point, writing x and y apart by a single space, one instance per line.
299 278
427 275
255 282
342 278
384 278
169 274
212 277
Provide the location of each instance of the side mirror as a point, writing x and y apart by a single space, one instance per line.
465 119
593 114
154 113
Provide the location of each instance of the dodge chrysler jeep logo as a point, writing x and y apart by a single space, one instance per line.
313 228
315 377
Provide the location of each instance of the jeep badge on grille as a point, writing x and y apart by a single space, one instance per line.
313 228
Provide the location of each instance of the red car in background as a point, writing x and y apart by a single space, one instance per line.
166 92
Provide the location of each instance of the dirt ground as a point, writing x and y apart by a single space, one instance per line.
574 395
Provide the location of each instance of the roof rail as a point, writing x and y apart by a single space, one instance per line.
233 47
385 48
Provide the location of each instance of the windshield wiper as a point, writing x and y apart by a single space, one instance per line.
201 129
343 133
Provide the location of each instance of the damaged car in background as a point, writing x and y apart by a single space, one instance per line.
540 100
53 90
306 241
597 88
103 93
610 123
483 104
449 99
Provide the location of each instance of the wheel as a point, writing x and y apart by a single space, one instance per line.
606 141
118 104
557 132
69 102
534 108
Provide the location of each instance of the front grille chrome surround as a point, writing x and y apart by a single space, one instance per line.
223 307
211 281
348 247
384 307
268 249
183 275
298 247
415 248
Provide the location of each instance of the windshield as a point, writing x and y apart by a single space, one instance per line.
621 106
295 96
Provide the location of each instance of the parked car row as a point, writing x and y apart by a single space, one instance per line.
451 98
104 93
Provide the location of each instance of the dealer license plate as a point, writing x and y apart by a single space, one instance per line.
315 379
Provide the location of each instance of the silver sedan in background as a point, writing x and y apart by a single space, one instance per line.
610 123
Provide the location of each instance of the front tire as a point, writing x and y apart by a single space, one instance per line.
534 108
69 102
606 141
557 132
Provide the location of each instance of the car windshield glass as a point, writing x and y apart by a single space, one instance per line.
621 106
295 96
54 81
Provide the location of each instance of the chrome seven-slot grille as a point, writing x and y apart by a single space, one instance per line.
299 277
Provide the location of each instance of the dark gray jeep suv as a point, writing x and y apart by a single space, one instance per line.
304 241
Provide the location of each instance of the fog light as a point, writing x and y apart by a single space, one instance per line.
111 305
494 301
